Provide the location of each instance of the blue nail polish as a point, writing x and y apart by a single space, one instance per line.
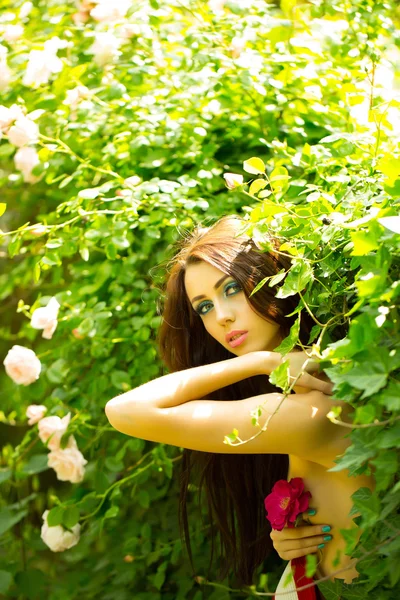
327 538
321 545
326 528
312 512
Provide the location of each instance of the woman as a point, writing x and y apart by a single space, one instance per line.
218 342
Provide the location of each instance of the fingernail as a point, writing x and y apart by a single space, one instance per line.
327 538
321 545
312 512
326 528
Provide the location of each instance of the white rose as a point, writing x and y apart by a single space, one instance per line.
43 63
68 463
57 538
25 160
13 32
216 5
5 72
52 429
233 180
105 48
25 10
75 95
46 318
35 412
108 11
129 30
133 180
9 115
23 132
22 365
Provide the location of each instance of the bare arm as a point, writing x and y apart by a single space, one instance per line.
170 410
193 384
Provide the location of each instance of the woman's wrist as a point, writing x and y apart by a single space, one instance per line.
265 362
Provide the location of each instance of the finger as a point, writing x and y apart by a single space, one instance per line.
299 553
303 544
304 531
307 380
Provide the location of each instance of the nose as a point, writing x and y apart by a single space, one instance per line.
224 313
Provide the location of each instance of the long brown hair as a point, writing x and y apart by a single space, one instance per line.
235 485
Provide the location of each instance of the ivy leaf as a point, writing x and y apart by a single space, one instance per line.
386 466
296 280
277 278
367 504
291 340
311 565
280 376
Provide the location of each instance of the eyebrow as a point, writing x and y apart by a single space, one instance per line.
216 286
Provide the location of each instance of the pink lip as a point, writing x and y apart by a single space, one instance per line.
238 341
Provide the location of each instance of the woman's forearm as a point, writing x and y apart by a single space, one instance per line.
196 383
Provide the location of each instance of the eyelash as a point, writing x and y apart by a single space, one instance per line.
198 309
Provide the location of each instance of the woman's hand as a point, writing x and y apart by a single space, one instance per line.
307 380
297 358
293 542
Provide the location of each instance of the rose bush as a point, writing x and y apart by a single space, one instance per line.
138 110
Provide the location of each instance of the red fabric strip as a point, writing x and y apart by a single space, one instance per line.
300 579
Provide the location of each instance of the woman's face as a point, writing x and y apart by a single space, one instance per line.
226 314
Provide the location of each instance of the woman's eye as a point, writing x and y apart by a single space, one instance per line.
233 288
200 308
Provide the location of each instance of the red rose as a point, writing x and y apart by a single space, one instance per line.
286 501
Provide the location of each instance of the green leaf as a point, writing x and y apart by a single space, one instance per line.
256 186
31 583
254 166
364 242
5 475
71 516
5 581
279 180
3 207
121 380
55 516
9 518
89 193
112 512
369 378
351 538
143 497
311 565
277 278
57 371
367 504
259 285
291 340
386 466
37 463
36 272
280 376
298 277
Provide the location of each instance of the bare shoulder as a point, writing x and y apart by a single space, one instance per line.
296 425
